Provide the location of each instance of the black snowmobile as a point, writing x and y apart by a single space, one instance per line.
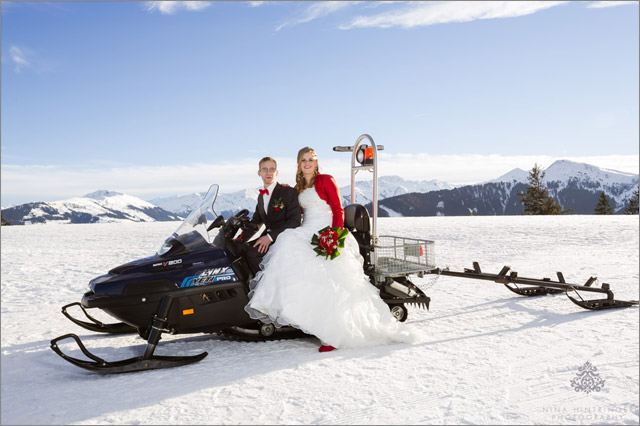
198 282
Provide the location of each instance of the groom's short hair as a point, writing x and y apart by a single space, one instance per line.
267 159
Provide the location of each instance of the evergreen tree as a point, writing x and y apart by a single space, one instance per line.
603 207
632 208
4 221
536 198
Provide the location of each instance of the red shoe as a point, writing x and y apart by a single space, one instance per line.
326 348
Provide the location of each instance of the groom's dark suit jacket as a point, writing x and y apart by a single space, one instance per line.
275 220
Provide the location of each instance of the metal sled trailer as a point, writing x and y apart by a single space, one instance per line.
390 260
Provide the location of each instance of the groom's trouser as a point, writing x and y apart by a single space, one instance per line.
253 257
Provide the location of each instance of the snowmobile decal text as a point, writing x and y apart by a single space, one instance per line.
210 276
168 263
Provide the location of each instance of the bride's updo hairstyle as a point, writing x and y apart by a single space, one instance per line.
301 183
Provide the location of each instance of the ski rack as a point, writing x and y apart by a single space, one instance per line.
535 287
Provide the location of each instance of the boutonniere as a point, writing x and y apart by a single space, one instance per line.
277 205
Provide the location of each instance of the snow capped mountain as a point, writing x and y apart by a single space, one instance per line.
564 177
229 204
389 186
179 204
565 170
225 204
100 206
102 194
576 186
515 175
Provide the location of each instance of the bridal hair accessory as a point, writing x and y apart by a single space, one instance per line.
328 242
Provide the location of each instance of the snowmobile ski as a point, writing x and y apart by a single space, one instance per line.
148 361
124 366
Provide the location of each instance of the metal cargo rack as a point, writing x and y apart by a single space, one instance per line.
392 259
401 256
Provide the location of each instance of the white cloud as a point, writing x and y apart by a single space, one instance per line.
318 10
601 4
19 58
256 3
171 7
23 184
440 12
49 183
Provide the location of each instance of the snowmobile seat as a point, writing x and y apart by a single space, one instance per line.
356 220
356 217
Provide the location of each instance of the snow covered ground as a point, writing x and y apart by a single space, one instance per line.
483 355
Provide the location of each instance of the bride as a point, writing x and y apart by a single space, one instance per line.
329 298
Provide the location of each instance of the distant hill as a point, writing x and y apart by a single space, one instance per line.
98 207
575 185
225 204
231 203
389 186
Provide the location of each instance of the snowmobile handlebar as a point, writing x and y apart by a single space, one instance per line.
240 221
216 223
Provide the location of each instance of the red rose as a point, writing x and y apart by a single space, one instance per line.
328 241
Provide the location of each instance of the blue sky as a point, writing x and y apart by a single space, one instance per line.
160 98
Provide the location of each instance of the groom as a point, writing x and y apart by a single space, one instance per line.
277 208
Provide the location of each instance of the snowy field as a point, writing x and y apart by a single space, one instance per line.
484 355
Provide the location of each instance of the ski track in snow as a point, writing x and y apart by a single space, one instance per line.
483 355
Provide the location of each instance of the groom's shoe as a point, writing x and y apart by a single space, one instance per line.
326 348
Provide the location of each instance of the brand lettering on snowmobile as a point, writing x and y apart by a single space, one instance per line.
209 276
168 263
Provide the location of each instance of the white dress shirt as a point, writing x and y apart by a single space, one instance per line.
266 198
265 201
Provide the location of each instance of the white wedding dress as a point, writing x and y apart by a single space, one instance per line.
331 299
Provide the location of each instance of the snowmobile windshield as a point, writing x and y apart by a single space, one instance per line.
196 224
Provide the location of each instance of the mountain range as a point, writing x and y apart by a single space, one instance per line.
575 185
231 203
100 206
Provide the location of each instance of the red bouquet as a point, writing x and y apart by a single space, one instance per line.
329 241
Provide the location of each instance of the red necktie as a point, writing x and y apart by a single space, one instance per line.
264 191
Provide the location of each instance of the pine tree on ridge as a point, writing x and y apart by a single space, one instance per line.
536 199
